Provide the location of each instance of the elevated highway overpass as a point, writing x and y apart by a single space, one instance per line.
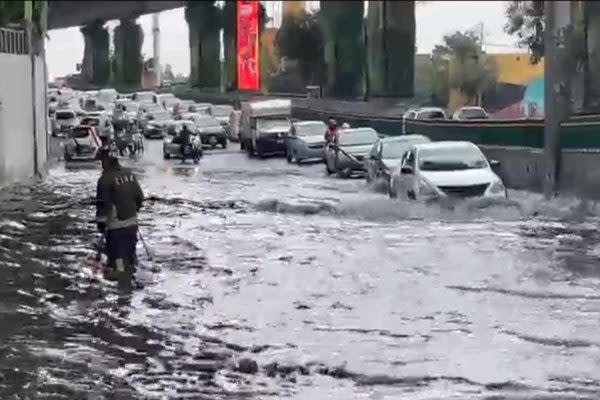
65 14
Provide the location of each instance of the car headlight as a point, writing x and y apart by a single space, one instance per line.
425 188
497 187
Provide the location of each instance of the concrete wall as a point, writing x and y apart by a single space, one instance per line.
16 118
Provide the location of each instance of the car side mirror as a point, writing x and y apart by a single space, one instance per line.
494 163
406 170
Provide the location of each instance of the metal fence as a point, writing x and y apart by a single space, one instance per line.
13 41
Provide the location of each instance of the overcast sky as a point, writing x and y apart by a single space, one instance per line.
434 20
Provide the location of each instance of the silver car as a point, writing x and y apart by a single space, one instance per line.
210 129
386 154
306 141
155 124
347 155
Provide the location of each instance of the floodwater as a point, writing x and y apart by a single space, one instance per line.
277 281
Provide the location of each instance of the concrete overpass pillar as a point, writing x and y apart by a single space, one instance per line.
128 68
204 26
95 67
230 44
344 47
391 48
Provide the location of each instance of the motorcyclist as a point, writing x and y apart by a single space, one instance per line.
119 197
331 132
185 136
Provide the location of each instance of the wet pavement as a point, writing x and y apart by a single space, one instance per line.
277 281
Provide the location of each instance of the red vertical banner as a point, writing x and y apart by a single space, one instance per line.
248 71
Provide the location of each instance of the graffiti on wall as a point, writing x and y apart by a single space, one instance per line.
519 91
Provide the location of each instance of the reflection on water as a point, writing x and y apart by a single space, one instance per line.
278 281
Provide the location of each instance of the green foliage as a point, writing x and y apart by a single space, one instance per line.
472 72
300 38
128 40
526 21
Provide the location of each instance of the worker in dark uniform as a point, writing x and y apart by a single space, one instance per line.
118 200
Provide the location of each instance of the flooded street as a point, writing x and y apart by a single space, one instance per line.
277 281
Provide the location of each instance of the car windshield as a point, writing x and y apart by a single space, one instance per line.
311 129
144 97
393 150
206 122
222 111
65 115
473 113
79 133
271 124
357 137
451 158
90 121
432 114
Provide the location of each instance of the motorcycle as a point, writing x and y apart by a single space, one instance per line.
192 151
130 142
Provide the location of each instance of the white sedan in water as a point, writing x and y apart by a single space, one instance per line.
446 169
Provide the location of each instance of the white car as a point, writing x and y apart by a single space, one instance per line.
468 113
446 169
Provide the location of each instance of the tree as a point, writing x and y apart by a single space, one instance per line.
472 71
300 38
526 21
168 73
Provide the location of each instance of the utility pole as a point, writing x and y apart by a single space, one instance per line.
156 47
556 88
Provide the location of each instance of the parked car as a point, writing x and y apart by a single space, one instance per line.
102 124
172 142
200 108
155 124
83 142
346 156
306 141
430 113
446 169
467 113
221 113
386 154
143 97
65 120
210 130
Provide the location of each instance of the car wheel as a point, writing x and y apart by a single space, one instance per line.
411 195
289 157
224 144
166 156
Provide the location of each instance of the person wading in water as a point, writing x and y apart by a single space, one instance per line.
119 197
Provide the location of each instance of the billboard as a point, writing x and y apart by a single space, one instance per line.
248 71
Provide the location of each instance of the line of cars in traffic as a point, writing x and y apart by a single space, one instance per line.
122 120
409 165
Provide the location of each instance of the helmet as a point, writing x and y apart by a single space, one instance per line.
345 125
332 123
